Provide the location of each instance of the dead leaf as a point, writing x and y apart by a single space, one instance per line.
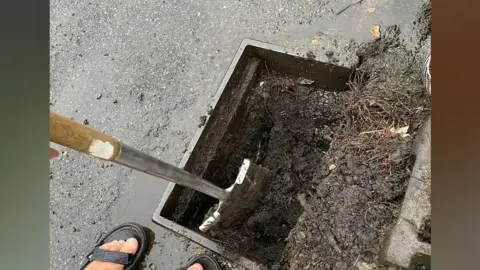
372 9
332 167
314 41
366 266
375 30
304 81
402 131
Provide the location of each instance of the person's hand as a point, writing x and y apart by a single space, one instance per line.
53 153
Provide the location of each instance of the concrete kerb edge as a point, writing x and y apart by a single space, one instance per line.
403 243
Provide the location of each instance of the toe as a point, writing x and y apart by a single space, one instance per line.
112 246
99 265
196 266
130 246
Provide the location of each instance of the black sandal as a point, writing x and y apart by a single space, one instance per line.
206 261
122 232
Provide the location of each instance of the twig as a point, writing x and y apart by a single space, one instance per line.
371 131
365 219
331 240
268 71
347 7
356 261
258 152
401 103
268 112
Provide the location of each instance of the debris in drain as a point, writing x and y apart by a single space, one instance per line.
302 81
287 135
402 131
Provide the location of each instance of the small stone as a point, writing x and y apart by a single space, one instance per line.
115 101
329 54
99 96
310 55
85 122
75 229
202 119
61 226
106 54
152 266
210 110
332 167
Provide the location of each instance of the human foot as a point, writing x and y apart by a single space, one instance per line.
130 246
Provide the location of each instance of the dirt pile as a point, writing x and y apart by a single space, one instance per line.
360 186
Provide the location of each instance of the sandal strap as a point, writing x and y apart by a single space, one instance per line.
108 256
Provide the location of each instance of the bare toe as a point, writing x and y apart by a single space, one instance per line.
196 266
129 246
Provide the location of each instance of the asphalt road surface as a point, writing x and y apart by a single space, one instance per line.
144 71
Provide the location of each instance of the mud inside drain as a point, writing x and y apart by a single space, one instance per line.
287 129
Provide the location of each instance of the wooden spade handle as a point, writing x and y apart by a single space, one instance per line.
86 140
79 137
